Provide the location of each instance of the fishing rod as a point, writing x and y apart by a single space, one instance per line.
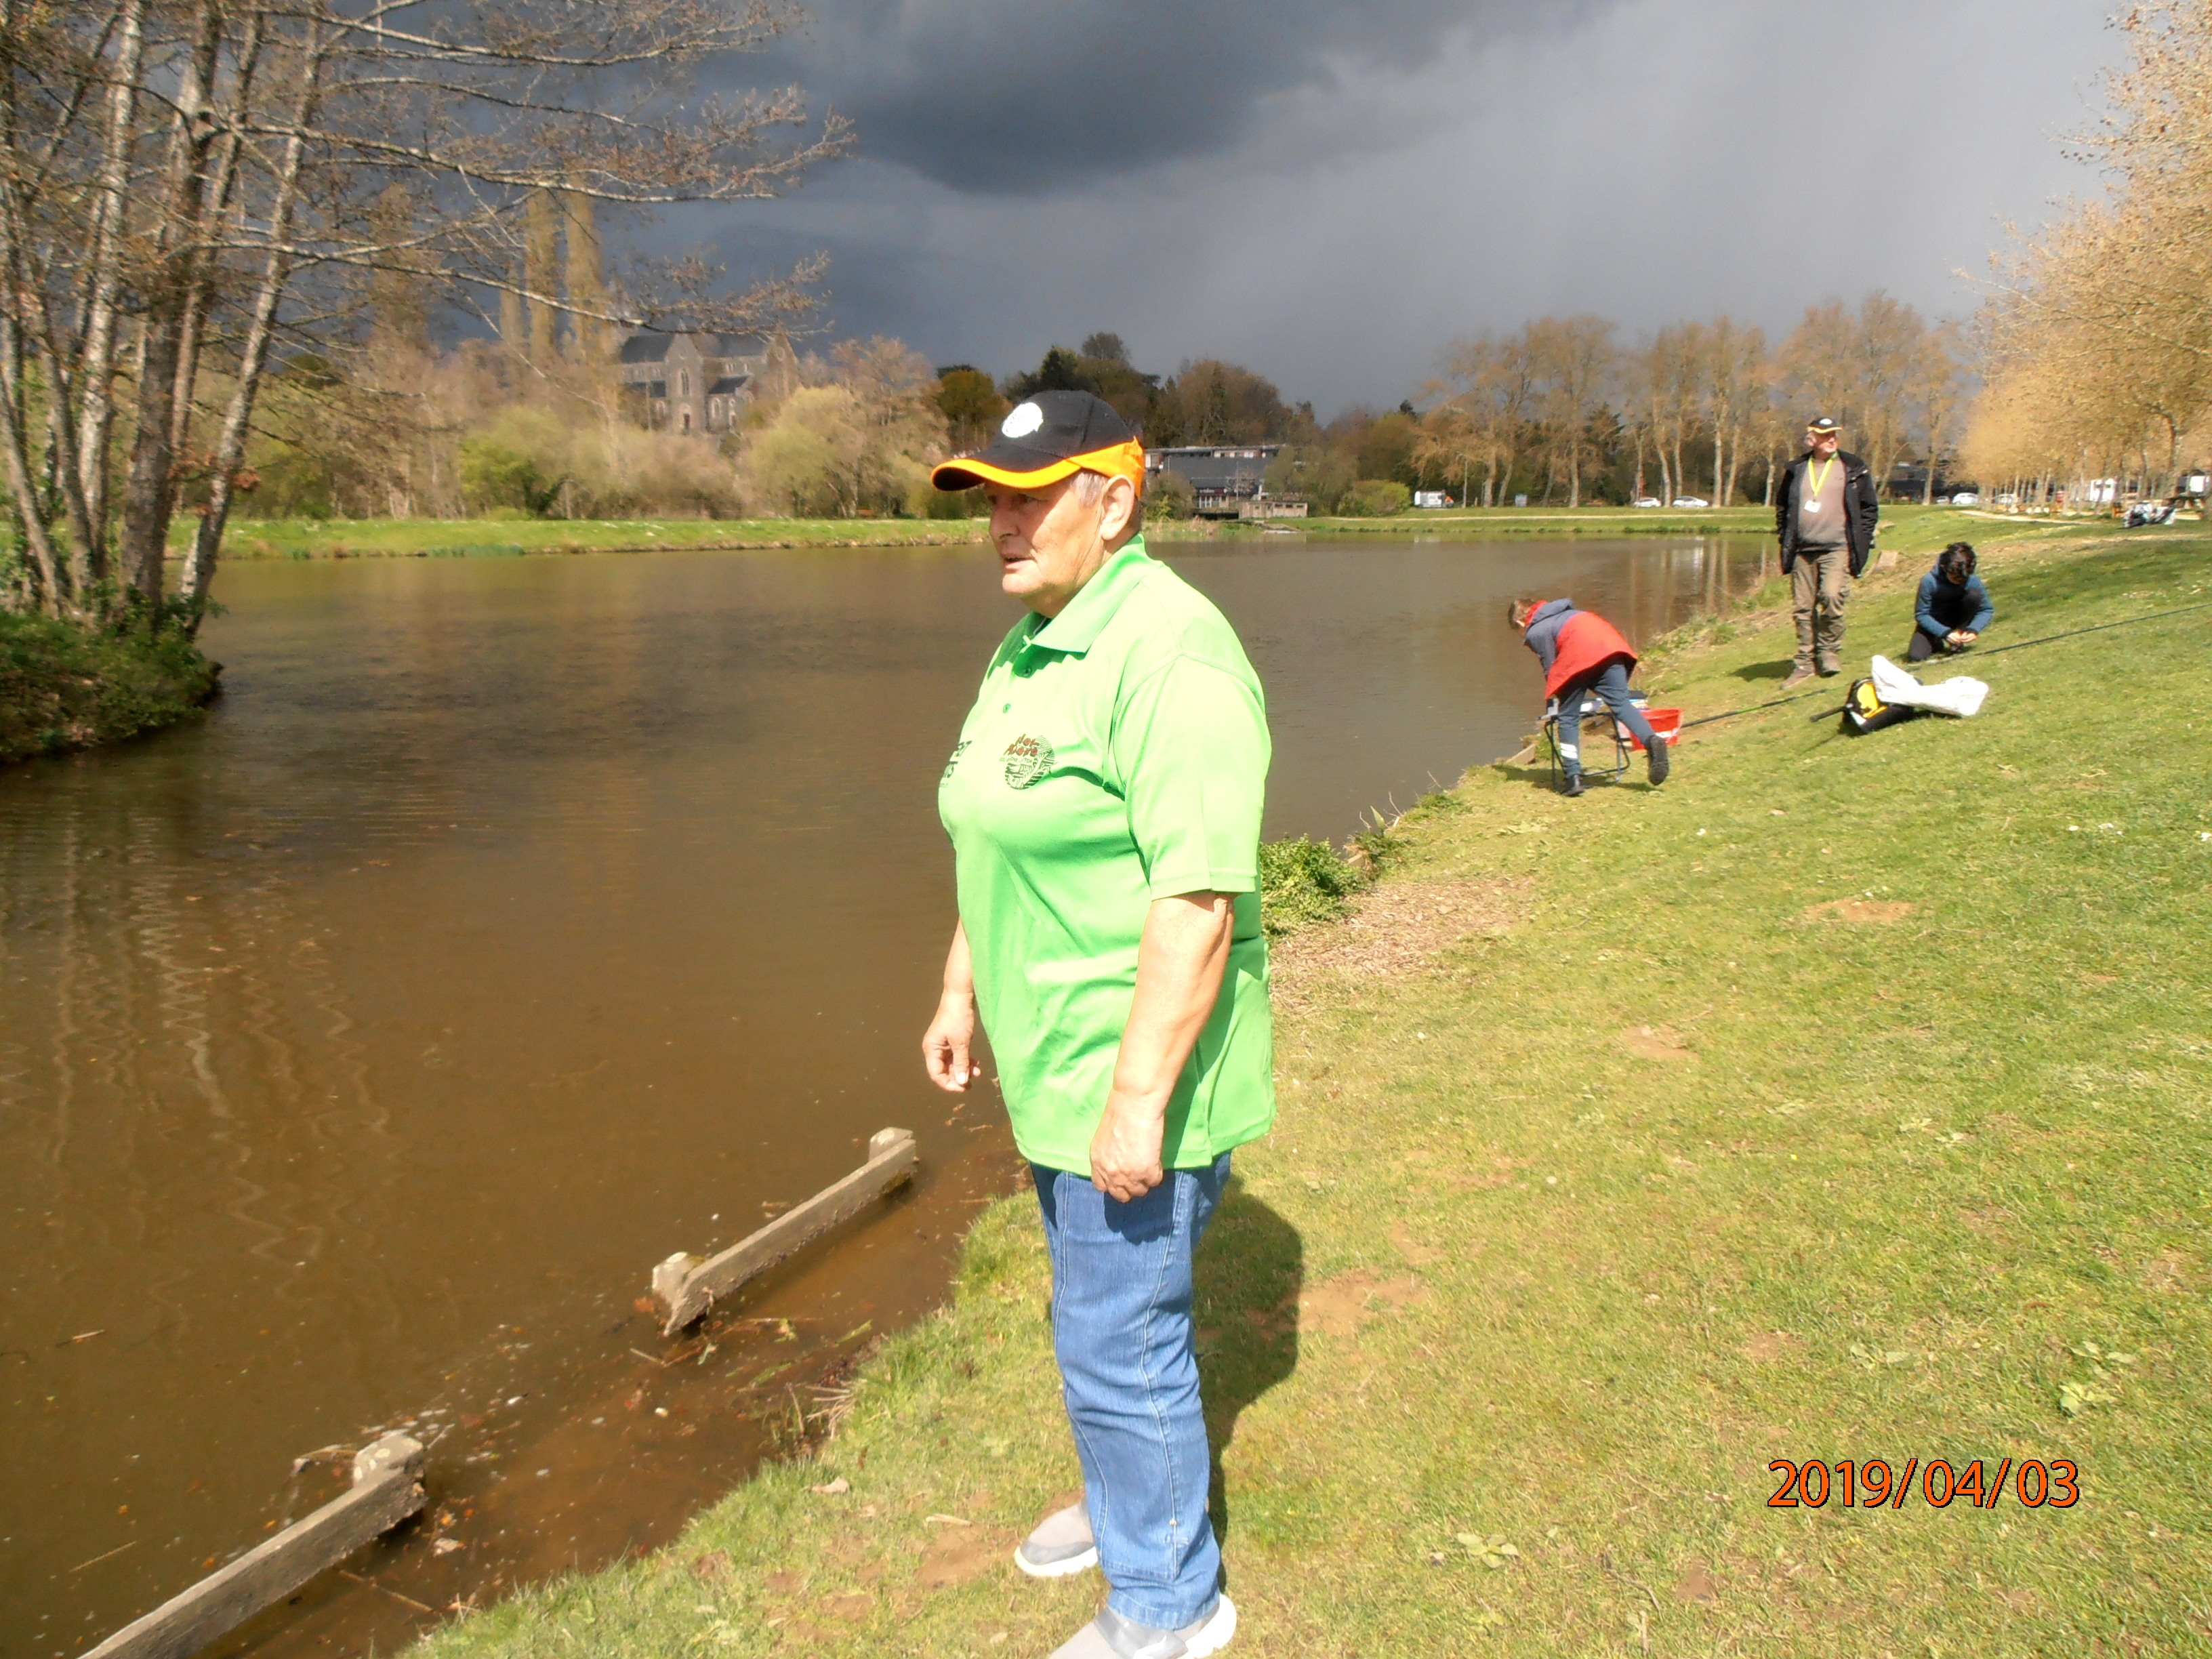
1995 651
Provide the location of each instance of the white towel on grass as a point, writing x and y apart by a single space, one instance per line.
1958 696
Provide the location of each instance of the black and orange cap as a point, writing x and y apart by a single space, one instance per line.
1046 437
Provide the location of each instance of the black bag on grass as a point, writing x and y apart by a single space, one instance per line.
1865 710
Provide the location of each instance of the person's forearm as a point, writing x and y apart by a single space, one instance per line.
1180 963
947 1047
959 968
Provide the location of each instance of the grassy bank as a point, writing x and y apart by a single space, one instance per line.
64 687
1846 1099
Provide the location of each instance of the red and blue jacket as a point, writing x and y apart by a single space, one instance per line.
1573 645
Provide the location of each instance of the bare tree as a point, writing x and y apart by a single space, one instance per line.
1572 359
1941 386
1494 383
1736 390
201 178
2098 335
1669 374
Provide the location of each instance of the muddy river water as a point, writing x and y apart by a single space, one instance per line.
508 925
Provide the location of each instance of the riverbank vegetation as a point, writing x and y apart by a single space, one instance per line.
66 686
209 203
1841 1103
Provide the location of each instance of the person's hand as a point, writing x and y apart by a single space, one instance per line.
1968 636
945 1046
1125 1153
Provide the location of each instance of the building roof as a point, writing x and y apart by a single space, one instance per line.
651 345
729 385
1239 467
1220 451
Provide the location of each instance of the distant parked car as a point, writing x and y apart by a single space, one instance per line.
1691 500
1647 500
1966 498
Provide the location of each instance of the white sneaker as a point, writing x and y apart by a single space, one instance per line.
1060 1546
1110 1636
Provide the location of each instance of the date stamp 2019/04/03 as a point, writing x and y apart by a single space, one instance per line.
1874 1484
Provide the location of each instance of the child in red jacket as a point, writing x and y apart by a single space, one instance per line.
1583 653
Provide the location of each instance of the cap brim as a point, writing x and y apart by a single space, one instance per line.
1019 467
970 470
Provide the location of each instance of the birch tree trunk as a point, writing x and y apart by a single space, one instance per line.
96 388
230 448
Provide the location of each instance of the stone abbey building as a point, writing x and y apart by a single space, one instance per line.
696 383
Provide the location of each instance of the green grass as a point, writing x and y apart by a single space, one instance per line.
327 538
64 686
1845 1099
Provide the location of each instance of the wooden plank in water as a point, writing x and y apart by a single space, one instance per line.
686 1287
388 1488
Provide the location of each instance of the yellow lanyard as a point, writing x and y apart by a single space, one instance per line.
1819 476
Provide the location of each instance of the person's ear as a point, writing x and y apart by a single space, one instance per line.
1117 507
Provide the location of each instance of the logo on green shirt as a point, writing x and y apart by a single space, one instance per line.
1028 760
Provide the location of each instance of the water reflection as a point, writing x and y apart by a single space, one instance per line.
510 924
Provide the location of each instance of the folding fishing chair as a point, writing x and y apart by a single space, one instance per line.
1591 707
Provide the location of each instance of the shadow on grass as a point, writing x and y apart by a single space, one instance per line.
1765 671
1548 782
1247 1280
1536 777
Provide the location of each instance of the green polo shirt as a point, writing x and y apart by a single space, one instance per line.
1117 754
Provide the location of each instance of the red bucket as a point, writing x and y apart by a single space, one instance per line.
1665 722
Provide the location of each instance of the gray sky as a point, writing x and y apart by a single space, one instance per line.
1328 192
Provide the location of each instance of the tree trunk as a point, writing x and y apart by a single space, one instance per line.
540 227
254 354
586 281
172 343
95 386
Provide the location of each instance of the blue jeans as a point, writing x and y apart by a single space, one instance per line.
1128 1370
1610 686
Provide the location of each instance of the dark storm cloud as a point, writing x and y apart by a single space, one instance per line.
1330 193
1026 96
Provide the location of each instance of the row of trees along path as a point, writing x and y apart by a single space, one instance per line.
193 192
1563 387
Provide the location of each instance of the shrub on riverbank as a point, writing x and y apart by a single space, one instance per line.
1303 881
1375 498
1841 1101
64 686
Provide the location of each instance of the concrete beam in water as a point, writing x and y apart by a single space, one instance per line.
388 1488
686 1287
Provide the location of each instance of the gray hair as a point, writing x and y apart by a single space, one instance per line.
1090 489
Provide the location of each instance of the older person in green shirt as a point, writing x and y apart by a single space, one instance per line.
1104 802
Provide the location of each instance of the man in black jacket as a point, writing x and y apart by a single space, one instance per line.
1824 519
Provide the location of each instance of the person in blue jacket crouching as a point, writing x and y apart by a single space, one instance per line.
1953 608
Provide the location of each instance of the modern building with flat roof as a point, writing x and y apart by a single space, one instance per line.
1223 475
